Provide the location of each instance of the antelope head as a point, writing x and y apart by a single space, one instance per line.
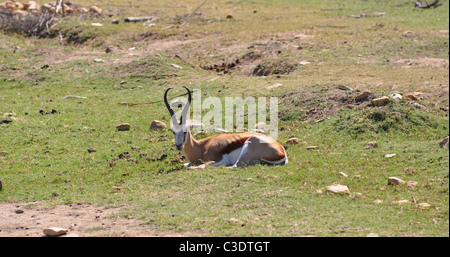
179 129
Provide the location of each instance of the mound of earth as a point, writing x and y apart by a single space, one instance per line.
314 104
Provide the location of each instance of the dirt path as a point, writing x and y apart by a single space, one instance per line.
83 220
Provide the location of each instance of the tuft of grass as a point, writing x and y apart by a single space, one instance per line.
395 118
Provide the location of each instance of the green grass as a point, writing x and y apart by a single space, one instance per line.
48 153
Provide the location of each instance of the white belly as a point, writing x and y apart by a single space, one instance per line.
234 156
229 159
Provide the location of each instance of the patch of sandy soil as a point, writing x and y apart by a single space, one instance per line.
432 62
82 220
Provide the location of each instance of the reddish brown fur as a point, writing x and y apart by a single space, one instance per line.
214 147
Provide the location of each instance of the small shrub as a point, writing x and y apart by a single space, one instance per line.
29 24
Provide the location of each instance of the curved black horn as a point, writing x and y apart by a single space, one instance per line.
171 111
186 108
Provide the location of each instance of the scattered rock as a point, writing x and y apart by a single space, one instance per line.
412 184
98 60
380 101
371 145
378 201
410 170
294 141
19 211
303 63
358 195
411 96
395 181
48 8
157 125
401 201
410 34
390 155
422 107
54 231
444 142
109 49
363 96
345 88
338 189
275 86
424 206
397 97
116 188
95 9
312 147
343 174
30 5
123 127
136 148
96 24
176 66
115 21
229 16
92 150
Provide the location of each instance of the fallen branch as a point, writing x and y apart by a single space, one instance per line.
434 4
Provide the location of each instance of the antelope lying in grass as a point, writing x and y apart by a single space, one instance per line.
231 150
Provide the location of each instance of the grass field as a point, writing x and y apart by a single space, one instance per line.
384 47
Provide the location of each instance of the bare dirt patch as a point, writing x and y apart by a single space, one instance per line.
255 62
427 61
84 220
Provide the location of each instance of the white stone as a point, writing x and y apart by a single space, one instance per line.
338 189
55 231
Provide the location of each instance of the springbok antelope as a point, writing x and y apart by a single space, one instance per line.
231 150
